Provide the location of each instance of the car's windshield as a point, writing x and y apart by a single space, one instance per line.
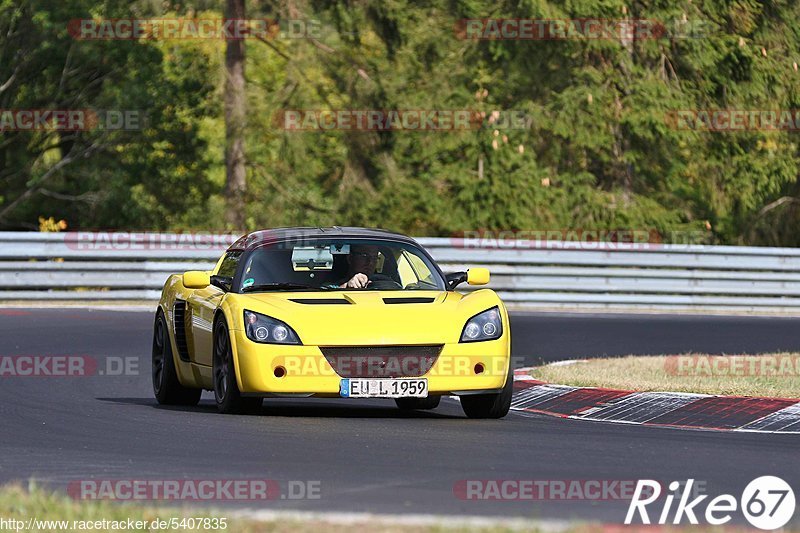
339 264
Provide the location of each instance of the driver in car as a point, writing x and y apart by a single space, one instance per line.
361 265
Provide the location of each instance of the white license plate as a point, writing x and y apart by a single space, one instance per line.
383 388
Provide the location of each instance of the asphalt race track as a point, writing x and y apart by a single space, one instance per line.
553 337
367 456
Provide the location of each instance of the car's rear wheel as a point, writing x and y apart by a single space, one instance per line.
418 404
166 387
226 390
490 405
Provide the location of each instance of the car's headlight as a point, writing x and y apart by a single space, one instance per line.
484 326
268 330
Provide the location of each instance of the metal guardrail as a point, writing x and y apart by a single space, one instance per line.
119 266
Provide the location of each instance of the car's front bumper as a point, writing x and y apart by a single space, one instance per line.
461 368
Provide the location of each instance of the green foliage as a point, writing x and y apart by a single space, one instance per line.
140 178
600 151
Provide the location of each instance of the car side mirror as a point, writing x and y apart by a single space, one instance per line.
478 276
473 276
196 279
455 279
223 282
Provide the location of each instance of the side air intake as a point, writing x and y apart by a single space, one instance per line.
179 320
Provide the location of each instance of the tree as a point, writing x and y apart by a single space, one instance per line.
149 176
235 119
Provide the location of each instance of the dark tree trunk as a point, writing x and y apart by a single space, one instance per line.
235 116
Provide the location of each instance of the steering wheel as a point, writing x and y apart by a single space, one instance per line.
382 282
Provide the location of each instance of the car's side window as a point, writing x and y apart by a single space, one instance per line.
406 272
229 264
421 270
413 270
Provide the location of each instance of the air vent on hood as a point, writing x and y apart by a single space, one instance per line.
320 301
408 300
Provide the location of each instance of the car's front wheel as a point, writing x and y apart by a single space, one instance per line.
490 405
226 390
418 404
166 387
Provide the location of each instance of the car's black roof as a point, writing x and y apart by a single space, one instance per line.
267 236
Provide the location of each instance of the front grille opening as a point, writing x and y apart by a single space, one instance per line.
382 361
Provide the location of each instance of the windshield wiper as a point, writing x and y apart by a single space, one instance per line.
278 286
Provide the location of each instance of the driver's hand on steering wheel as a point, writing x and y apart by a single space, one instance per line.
358 281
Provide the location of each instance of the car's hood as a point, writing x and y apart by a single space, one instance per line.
344 318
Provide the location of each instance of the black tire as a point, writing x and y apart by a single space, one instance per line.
490 405
166 387
226 390
418 404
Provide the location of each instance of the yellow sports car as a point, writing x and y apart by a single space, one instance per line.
331 312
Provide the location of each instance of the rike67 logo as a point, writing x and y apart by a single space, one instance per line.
767 503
